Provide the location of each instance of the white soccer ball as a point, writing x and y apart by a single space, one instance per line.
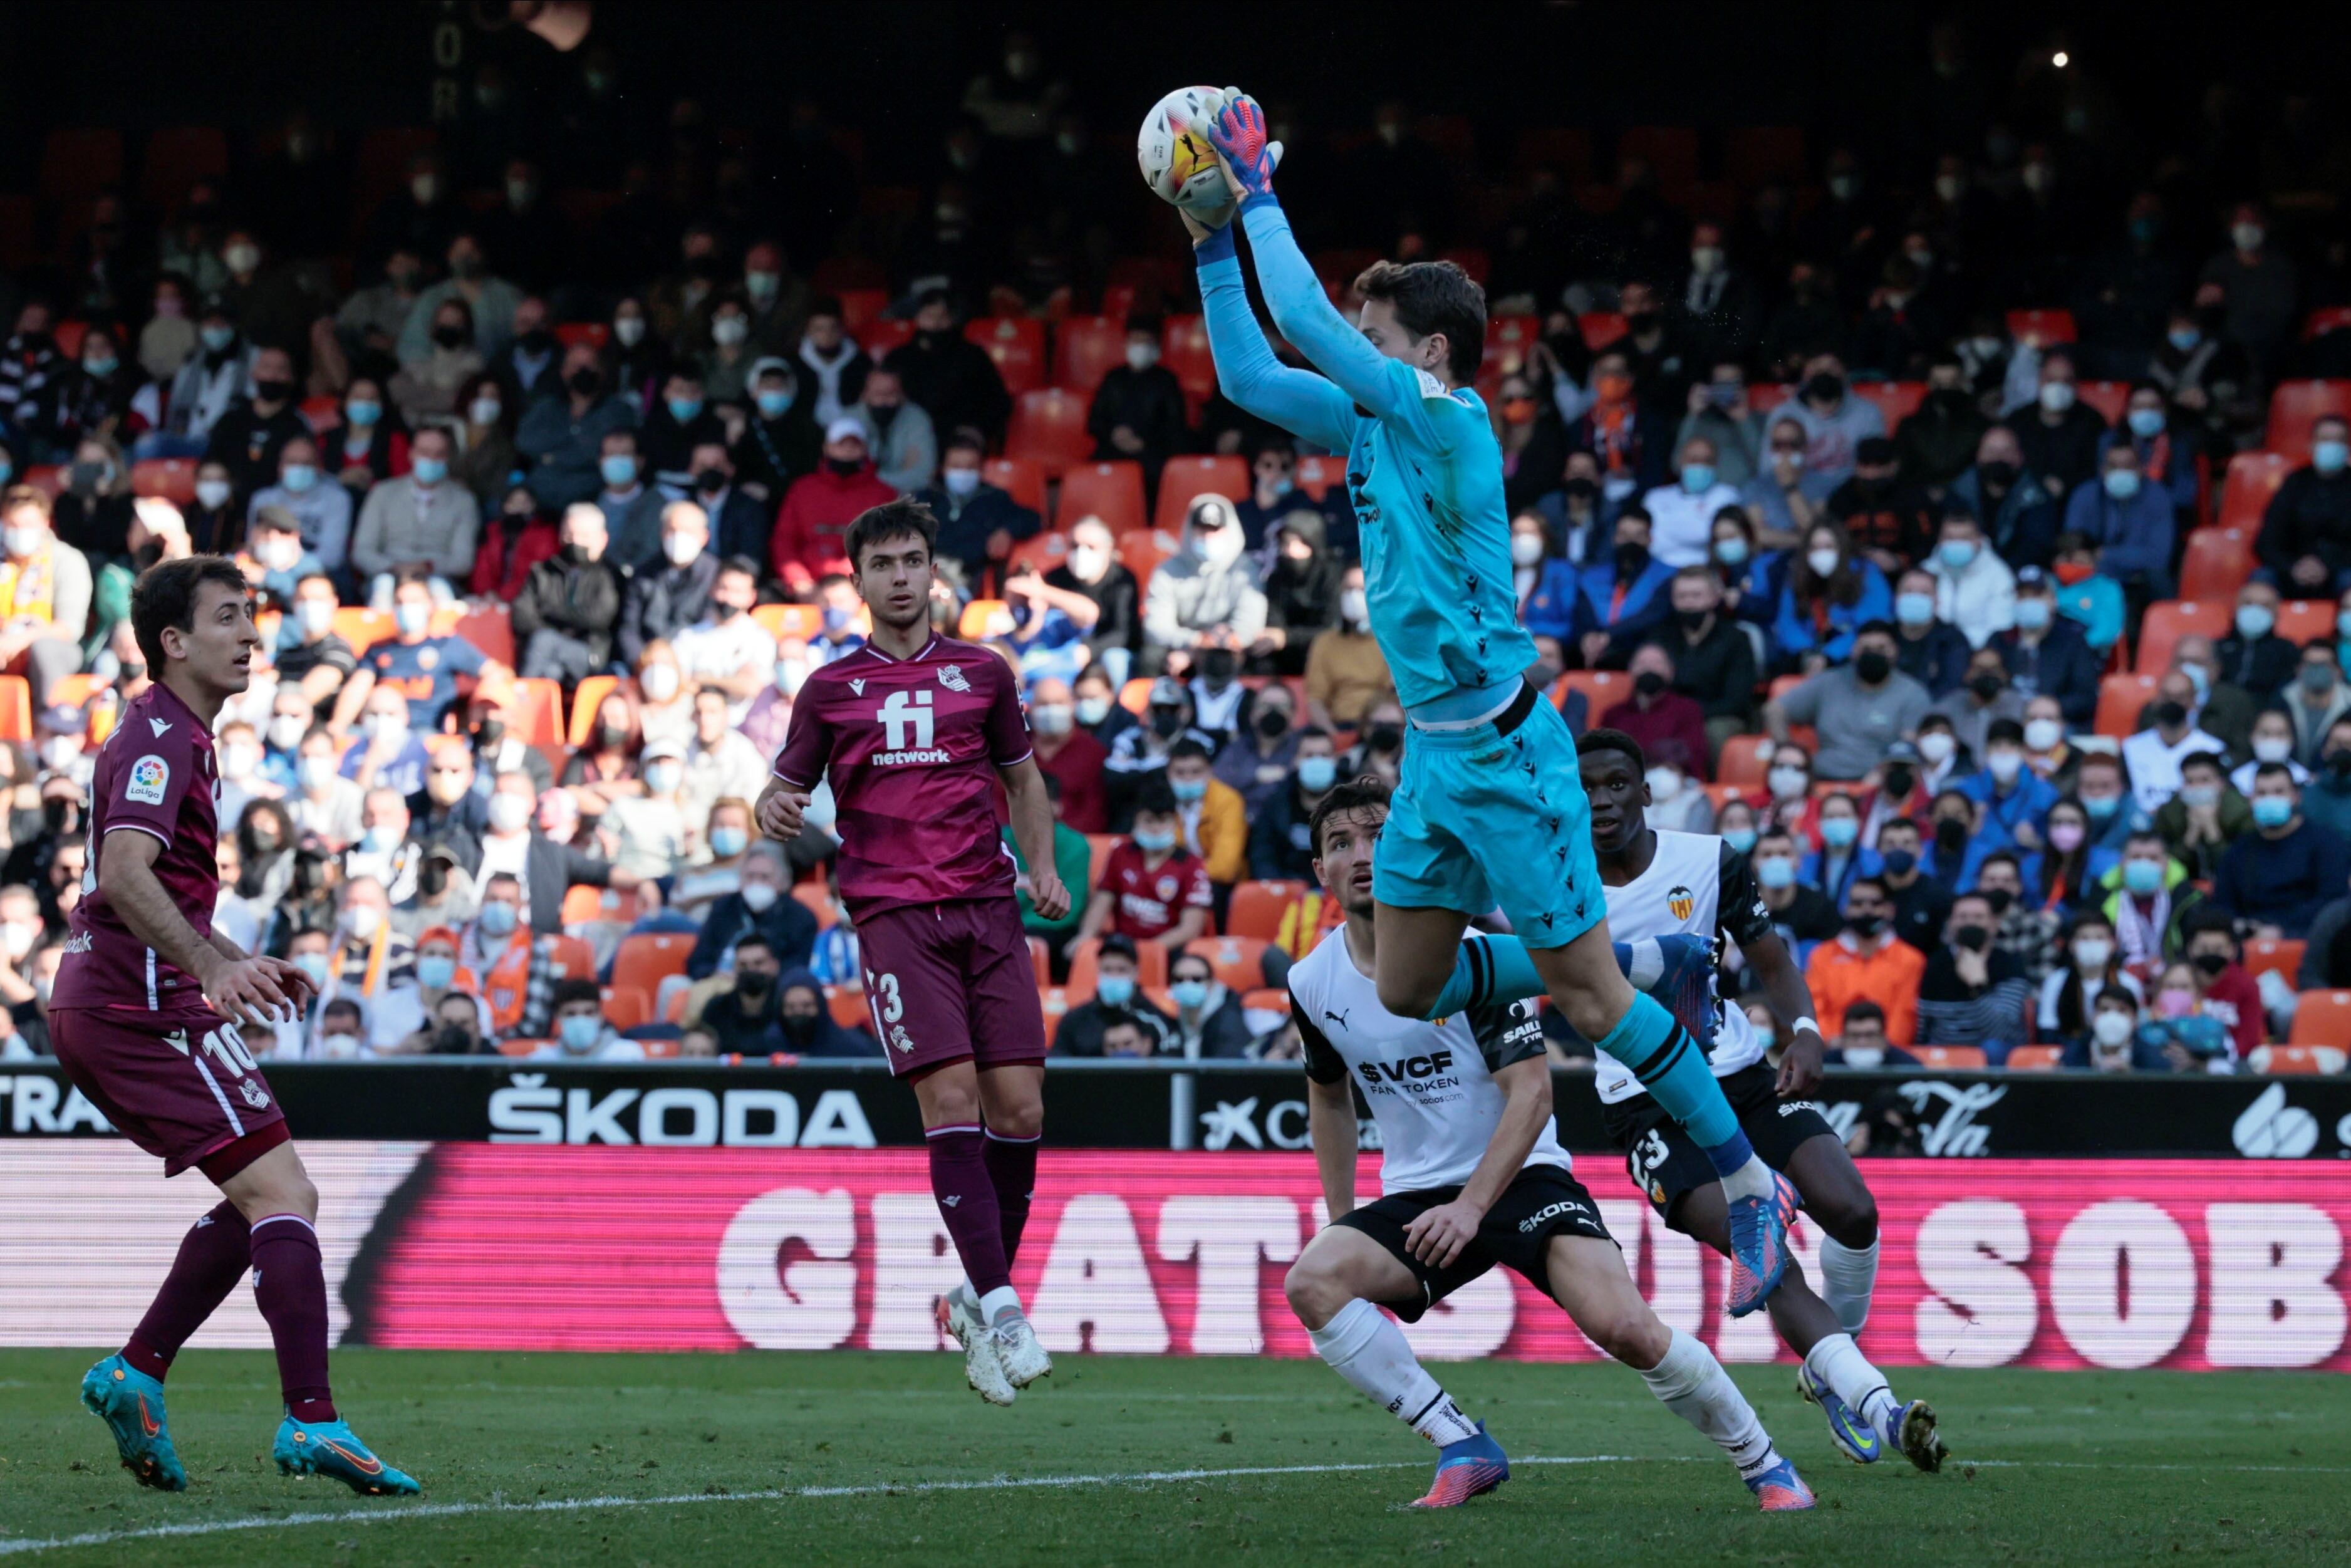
1173 152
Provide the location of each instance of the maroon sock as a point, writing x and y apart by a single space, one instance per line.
960 1181
290 1283
213 1255
1012 1169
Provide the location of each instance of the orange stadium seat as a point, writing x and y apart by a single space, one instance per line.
2110 399
1745 761
1049 429
2297 1059
1044 552
1182 479
1897 400
586 905
1017 344
519 1046
491 631
2294 405
16 708
2279 954
2035 1058
647 958
538 713
1089 348
1150 966
67 336
1472 259
2120 699
1184 349
817 899
2305 620
861 307
1315 476
1949 1058
2323 1018
174 478
1142 552
1040 959
626 1008
2217 562
2169 621
363 628
883 334
1507 339
1601 689
595 334
1098 848
2252 478
1238 961
1258 907
2324 320
1600 328
1136 695
801 620
2047 326
1765 396
983 618
1111 491
1018 478
46 477
847 1005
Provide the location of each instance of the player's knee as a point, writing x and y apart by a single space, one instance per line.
1020 1119
1850 1218
1409 995
1315 1292
1630 1333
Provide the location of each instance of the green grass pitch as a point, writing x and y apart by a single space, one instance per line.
870 1457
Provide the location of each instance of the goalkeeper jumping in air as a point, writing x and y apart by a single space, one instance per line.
1489 808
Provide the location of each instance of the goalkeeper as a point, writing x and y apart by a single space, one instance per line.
1489 808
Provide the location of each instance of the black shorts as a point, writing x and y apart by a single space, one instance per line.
1541 1202
1664 1162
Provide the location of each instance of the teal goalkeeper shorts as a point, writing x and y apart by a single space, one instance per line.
1494 814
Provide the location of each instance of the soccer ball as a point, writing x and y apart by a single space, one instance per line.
1177 162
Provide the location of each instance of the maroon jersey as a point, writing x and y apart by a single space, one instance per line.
911 746
1148 902
155 775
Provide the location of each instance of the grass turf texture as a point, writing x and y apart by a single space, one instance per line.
2073 1467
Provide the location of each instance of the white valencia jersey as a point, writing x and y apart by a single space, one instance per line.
1430 1085
1695 885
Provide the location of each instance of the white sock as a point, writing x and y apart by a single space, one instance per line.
1848 1275
999 1303
1692 1384
1752 1179
968 1296
1364 1346
1838 1361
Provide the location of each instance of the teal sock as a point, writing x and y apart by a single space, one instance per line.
1486 970
1659 1052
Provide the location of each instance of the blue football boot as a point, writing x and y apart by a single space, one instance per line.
330 1449
1854 1437
1911 1430
1780 1489
1471 1468
1759 1245
1679 971
130 1403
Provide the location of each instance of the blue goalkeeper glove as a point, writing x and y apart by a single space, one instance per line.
1237 132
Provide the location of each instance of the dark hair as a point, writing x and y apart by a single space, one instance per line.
1909 823
578 988
1873 882
1153 795
827 305
2006 857
753 938
1365 793
1116 942
742 566
964 438
2204 918
165 595
2212 760
1613 740
1877 629
2273 770
1187 747
342 1008
1434 296
1865 1011
902 518
2003 730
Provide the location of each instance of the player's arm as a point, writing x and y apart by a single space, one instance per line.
1247 371
1748 922
354 697
1439 1234
808 742
1033 830
1330 1110
241 989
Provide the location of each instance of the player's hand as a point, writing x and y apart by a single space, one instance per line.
1438 1234
779 814
1237 132
1048 892
293 980
1800 1066
245 991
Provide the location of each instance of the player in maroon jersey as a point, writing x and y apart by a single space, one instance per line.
914 732
146 1018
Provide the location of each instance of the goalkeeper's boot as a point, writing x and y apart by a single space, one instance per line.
1759 1245
330 1449
1471 1468
1679 971
957 1313
1017 1350
130 1403
1779 1488
1854 1437
1911 1429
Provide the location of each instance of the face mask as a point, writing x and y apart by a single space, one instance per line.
1190 994
2246 237
2032 614
1525 550
2112 1027
1091 711
728 331
2142 876
2056 397
2329 456
434 972
1844 187
285 731
1950 836
1776 872
1822 561
2167 715
580 1032
1823 388
313 965
1936 745
661 778
2316 679
1698 479
844 467
584 382
2071 572
1142 356
759 897
2200 795
1914 609
239 760
2005 765
1839 832
1188 790
429 470
1218 546
2146 423
412 619
499 919
508 813
1706 259
217 338
242 258
212 494
1664 785
1730 551
629 330
620 471
1115 990
1316 774
1352 607
685 410
2184 339
1957 555
2102 808
1898 779
1900 863
1154 840
2043 734
1975 938
2273 811
1740 840
364 921
451 335
297 476
2271 748
1985 686
2122 484
1790 783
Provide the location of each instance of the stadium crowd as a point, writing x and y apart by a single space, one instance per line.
1967 540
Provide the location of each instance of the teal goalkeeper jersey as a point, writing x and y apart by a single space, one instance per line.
1423 473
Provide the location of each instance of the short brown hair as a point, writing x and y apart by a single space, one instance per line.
905 517
1434 296
1365 793
31 496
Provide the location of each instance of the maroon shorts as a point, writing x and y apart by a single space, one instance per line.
947 981
180 1088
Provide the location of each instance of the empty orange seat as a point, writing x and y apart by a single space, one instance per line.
1896 401
2302 621
2042 326
1098 848
1182 479
1018 478
800 620
2251 479
861 307
1315 476
1040 959
847 1005
2035 1058
2292 407
1601 689
1017 344
363 628
585 905
1044 552
1111 491
1258 907
2217 562
16 708
1089 348
2281 954
2297 1059
1184 349
649 957
1049 429
595 334
1746 762
491 631
1238 961
2111 399
983 618
1507 339
626 1006
1949 1058
2324 320
2169 621
2120 699
2323 1018
174 478
1600 328
538 713
1136 695
817 899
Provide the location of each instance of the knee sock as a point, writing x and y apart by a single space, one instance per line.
1692 1384
1486 970
1838 1361
213 1258
1012 1170
290 1284
1362 1345
966 1196
1660 1052
1848 1275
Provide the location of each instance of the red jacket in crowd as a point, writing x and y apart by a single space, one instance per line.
816 514
507 558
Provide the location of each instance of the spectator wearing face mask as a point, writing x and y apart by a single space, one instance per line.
1205 596
1975 590
1094 573
2280 874
662 600
1834 421
428 386
569 607
761 906
1545 582
1301 593
1681 515
2130 522
727 648
1279 846
2015 510
1718 412
1784 497
1862 1043
490 302
1883 513
45 594
1983 699
951 377
2109 1041
2252 657
2223 991
1153 888
578 1030
1669 726
320 509
1801 914
817 510
1118 1004
2155 755
1916 903
978 522
424 524
2066 1013
2086 596
2058 436
2100 786
2148 898
1257 761
2255 287
2022 928
1622 598
2305 543
415 662
1831 593
2015 800
2167 449
1346 673
1138 411
1210 1020
1712 660
2326 797
1208 813
561 437
2046 655
1068 753
1972 993
1831 866
1099 711
899 434
1858 708
1863 959
1939 444
2317 698
1622 436
1932 651
780 439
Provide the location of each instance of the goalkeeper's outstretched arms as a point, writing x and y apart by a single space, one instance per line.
1298 401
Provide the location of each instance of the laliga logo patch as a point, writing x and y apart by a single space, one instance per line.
951 677
1681 901
148 778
